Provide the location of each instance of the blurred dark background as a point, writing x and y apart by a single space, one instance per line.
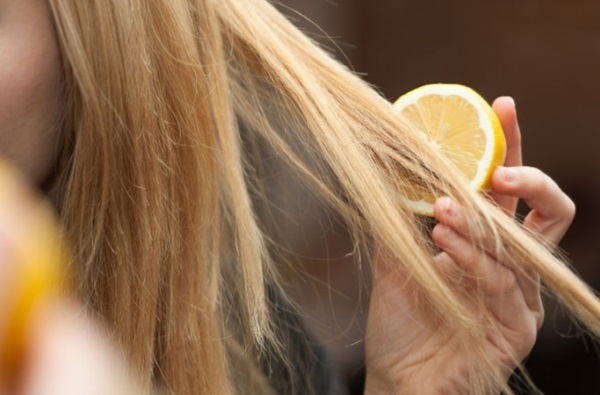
545 54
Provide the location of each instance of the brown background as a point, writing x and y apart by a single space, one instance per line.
544 53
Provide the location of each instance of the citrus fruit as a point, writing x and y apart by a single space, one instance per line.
37 263
464 128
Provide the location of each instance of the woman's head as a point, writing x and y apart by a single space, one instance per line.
30 87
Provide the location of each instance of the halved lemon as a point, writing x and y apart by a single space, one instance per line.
463 126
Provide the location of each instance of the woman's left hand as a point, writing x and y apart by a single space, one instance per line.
408 350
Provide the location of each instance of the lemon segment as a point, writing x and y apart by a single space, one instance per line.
463 126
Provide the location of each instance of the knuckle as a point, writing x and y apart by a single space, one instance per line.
470 260
529 339
570 209
540 182
539 318
527 334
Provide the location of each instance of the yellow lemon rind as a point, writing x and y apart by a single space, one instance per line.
494 154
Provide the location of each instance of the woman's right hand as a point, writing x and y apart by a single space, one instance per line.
409 349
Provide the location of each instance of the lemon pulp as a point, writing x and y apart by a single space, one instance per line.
463 126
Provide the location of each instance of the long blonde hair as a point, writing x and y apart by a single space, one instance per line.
170 104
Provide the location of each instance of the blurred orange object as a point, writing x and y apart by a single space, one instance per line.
34 267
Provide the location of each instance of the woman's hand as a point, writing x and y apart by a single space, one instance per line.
408 350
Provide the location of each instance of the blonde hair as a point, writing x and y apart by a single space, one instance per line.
170 104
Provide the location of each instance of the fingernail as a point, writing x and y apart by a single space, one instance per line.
447 206
511 101
508 174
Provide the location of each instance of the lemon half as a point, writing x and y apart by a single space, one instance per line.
464 128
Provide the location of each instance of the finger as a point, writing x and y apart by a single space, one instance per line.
450 214
506 111
478 266
501 286
453 272
552 211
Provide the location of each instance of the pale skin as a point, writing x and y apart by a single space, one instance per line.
410 354
30 77
64 342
